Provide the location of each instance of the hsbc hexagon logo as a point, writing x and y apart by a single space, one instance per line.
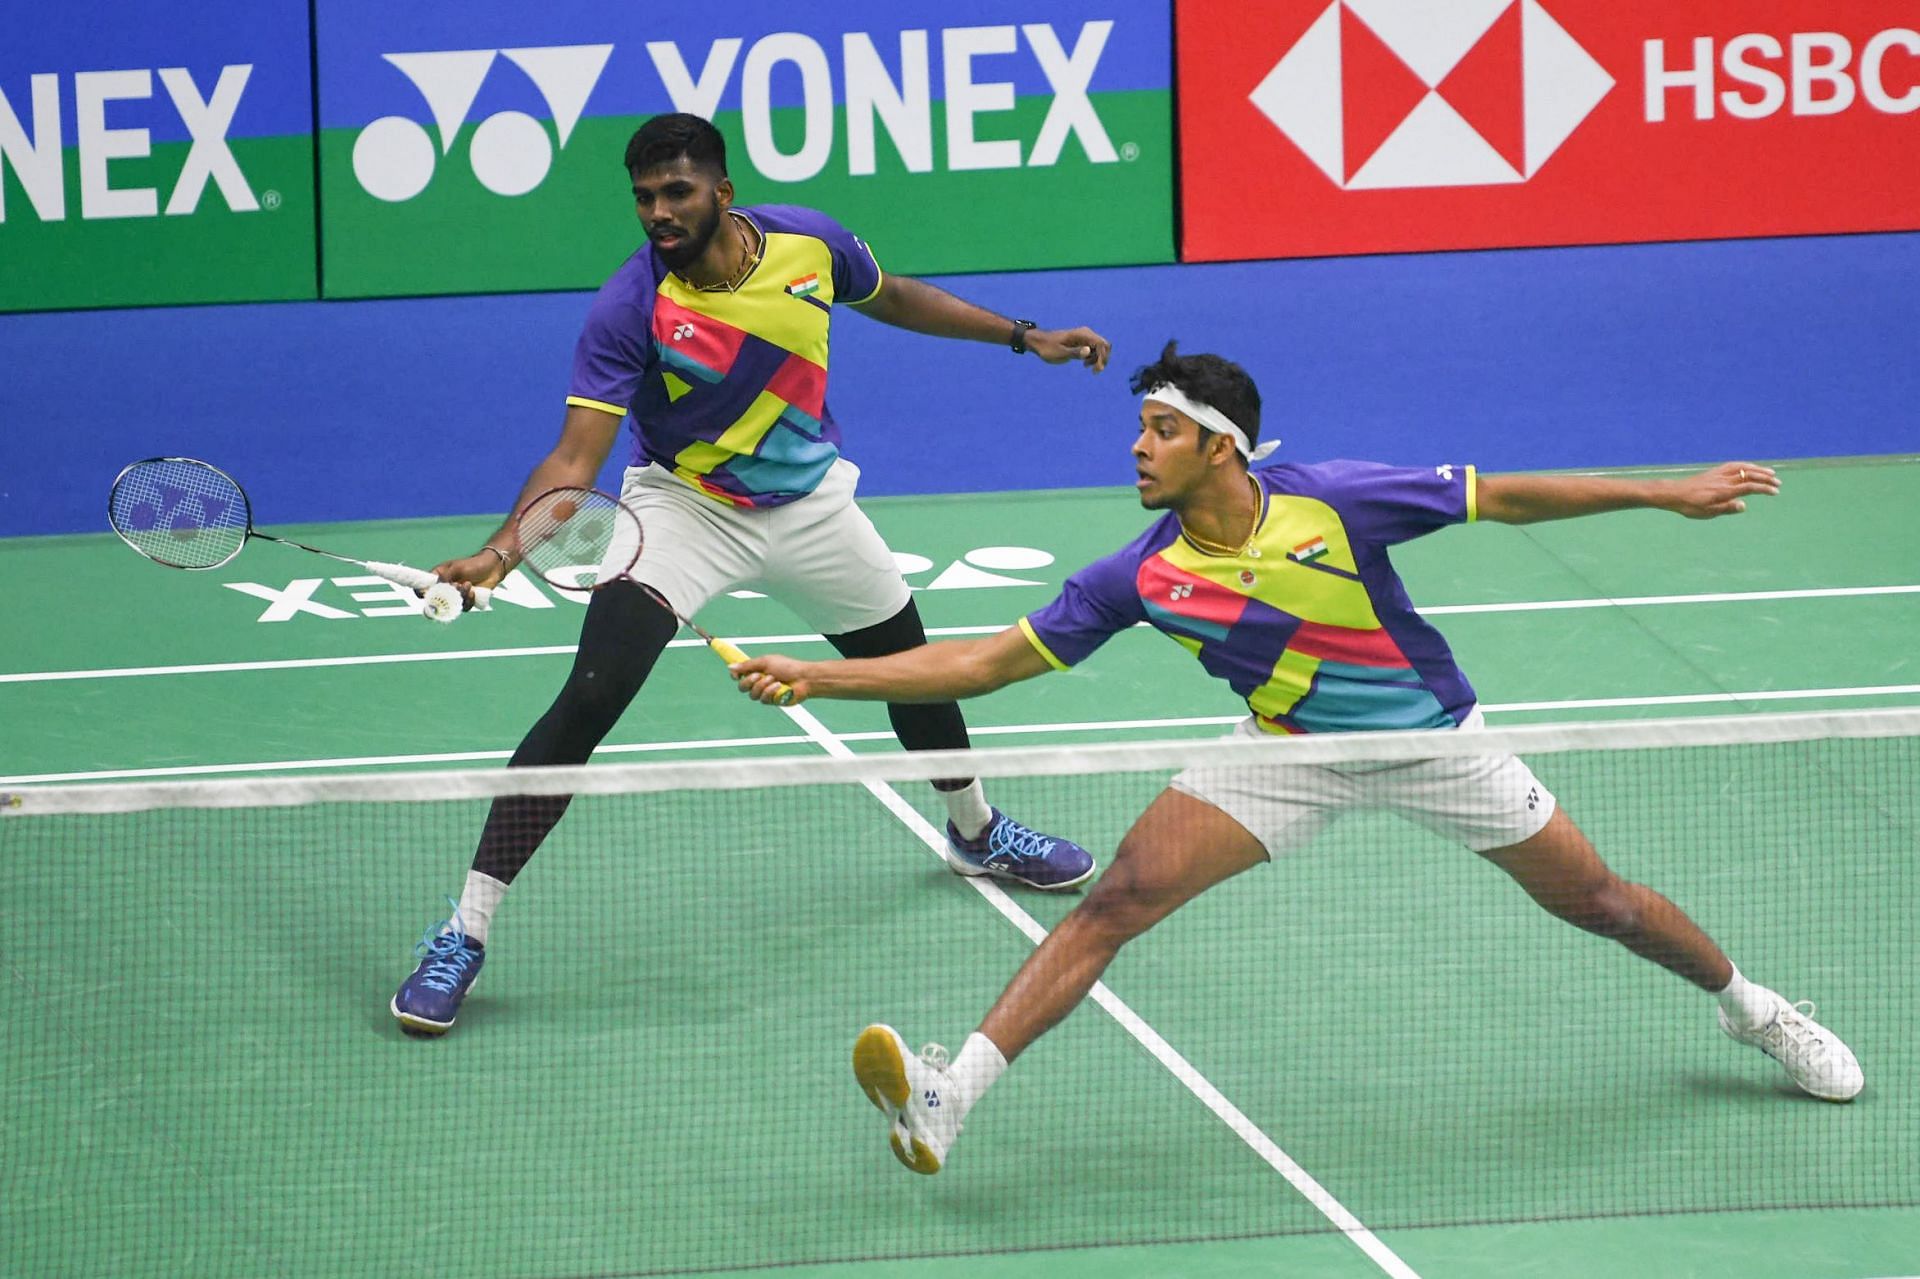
1388 94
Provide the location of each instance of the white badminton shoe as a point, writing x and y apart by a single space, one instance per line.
916 1095
1813 1056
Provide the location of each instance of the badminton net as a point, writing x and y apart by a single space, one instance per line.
201 1074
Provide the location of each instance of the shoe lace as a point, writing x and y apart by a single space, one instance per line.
1009 838
445 945
936 1056
1795 1029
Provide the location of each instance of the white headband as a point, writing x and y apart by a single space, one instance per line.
1213 420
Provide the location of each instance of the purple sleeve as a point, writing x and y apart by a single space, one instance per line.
1097 603
1389 504
615 345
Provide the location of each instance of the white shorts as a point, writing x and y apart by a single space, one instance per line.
1482 801
819 555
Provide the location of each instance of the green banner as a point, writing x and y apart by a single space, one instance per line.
155 155
577 224
257 248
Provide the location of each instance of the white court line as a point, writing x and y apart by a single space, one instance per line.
1149 1038
937 632
1637 601
990 730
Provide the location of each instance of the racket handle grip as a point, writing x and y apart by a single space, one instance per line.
419 579
783 695
402 574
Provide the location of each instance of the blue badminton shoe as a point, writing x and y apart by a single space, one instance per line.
1007 850
428 1001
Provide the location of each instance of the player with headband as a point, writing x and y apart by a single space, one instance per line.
1279 581
711 342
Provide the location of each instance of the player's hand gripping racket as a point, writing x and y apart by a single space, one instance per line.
185 513
565 529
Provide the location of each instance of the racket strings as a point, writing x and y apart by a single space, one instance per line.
179 512
567 534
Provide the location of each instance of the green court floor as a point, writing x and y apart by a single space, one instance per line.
202 1077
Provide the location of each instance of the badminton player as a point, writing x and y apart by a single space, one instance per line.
1278 580
711 344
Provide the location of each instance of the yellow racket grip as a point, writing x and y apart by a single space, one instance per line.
729 654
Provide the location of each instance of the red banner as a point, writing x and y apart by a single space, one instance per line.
1314 127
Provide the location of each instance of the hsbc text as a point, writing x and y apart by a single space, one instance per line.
1816 72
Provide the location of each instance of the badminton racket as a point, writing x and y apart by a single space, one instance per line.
185 513
567 530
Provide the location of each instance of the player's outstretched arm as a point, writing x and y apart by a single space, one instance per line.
1528 499
913 304
943 672
586 437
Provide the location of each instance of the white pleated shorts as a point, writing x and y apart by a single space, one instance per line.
820 555
1481 801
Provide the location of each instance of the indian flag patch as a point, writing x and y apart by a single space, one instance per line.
806 286
1308 551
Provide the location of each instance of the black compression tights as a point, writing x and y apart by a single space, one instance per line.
622 637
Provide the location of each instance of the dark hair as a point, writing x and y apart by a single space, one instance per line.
1210 379
666 138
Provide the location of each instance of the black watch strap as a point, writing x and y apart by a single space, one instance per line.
1019 339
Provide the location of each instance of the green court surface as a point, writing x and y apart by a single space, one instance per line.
203 1078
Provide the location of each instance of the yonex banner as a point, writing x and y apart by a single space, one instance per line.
146 159
477 146
1359 126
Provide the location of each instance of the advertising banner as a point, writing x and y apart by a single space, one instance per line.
1313 127
151 159
476 147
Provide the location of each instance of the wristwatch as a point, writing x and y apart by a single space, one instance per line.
1020 330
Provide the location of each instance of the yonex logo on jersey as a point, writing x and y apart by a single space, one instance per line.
1181 591
1384 94
39 164
394 157
933 1099
681 332
1444 470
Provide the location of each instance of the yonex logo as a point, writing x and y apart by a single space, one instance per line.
681 332
933 1099
1181 591
1444 470
867 100
1384 94
394 157
33 144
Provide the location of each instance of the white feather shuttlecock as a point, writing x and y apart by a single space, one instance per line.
442 603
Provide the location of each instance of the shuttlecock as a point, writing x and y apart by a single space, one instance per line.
442 602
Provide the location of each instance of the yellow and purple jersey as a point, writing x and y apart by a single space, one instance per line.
728 390
1308 622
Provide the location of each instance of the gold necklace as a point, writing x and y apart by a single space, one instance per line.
750 260
1220 548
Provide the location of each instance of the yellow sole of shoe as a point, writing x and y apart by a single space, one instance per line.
881 1071
917 1156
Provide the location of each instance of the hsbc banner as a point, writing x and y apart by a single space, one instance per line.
1315 127
476 147
152 155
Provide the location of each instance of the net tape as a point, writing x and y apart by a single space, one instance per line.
1048 761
